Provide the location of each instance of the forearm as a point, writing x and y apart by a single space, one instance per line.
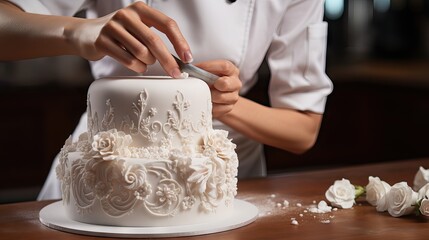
26 35
290 130
126 35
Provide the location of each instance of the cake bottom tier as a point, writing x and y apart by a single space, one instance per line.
142 192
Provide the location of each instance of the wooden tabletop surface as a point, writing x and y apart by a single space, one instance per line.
301 189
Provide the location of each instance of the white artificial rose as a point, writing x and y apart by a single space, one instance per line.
421 178
423 196
424 207
341 194
423 192
376 191
401 200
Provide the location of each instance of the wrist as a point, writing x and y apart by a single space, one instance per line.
81 35
72 36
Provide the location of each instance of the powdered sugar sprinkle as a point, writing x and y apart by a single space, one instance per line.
277 205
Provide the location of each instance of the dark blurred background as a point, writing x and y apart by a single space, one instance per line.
378 60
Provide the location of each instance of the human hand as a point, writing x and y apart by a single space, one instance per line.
225 90
125 35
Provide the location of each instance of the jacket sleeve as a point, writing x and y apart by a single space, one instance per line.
50 7
297 57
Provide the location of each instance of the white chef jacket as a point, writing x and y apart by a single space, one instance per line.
291 34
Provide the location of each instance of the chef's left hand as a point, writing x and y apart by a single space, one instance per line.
225 91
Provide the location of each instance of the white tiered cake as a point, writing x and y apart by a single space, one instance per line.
150 156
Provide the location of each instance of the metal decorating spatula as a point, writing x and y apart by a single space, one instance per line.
196 72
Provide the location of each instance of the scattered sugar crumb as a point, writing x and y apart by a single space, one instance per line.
322 207
272 204
286 203
314 210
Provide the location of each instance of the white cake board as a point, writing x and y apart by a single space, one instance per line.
54 216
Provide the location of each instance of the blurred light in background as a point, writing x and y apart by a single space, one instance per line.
334 9
381 5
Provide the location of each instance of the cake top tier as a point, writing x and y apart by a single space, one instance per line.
155 111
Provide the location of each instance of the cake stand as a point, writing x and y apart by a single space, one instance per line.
54 216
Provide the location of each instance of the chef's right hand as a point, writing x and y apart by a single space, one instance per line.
126 36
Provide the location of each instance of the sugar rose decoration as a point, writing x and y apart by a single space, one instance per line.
216 143
108 145
398 200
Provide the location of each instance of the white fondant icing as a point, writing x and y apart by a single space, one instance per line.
151 159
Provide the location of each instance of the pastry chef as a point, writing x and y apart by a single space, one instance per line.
228 38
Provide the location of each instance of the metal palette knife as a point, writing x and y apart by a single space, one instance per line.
196 72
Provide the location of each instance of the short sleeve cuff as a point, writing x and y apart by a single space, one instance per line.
313 101
32 6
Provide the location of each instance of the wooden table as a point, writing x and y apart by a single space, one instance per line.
20 220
